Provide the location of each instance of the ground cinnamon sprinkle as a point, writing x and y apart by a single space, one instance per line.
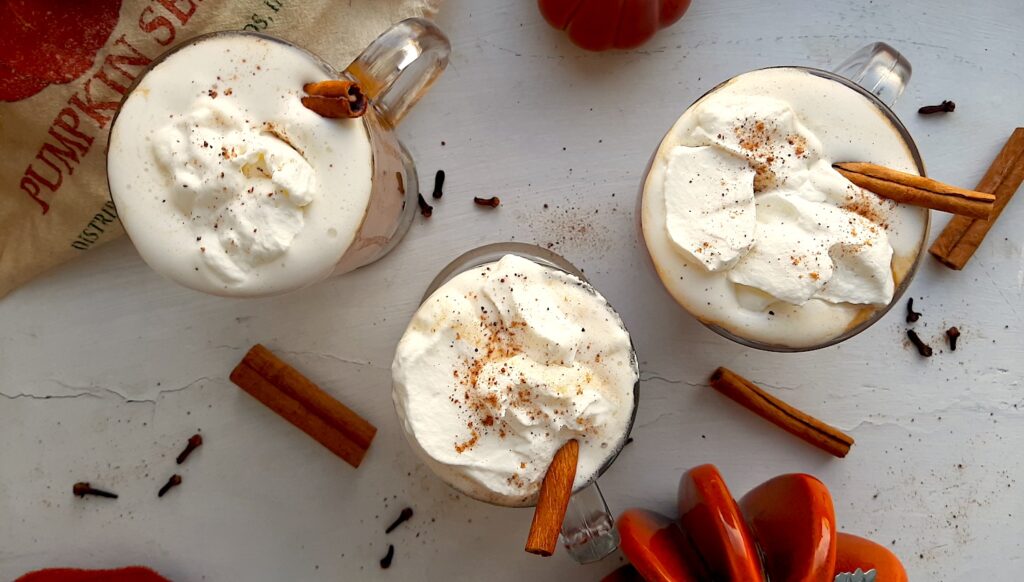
462 447
860 204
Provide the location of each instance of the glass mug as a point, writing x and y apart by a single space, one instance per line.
879 73
394 72
588 531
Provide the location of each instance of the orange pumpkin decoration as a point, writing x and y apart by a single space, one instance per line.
856 552
599 25
785 525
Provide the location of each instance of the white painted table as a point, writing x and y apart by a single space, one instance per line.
106 369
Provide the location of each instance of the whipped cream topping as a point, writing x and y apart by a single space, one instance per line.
225 182
242 186
504 364
796 236
752 230
710 215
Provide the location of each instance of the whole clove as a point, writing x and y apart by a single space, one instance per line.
953 334
402 518
194 442
174 481
385 562
83 488
425 209
492 202
438 184
912 315
922 348
944 107
628 442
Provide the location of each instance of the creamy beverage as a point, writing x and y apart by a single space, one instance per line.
752 230
227 184
501 366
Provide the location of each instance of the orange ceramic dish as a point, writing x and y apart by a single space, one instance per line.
856 552
715 527
795 525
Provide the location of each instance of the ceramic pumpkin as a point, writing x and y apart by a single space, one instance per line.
599 25
783 530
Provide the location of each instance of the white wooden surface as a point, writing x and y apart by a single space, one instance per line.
106 369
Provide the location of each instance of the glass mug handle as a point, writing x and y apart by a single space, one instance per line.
880 69
400 65
588 530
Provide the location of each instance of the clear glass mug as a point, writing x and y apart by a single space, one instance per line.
879 73
588 531
394 72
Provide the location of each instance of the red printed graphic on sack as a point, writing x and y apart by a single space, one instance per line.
47 42
96 98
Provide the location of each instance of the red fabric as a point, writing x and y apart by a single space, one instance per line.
129 574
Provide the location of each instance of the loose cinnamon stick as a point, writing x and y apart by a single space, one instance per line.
553 500
796 422
301 402
962 236
917 190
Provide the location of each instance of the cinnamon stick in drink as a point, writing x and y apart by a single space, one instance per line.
301 402
796 422
917 190
553 500
962 236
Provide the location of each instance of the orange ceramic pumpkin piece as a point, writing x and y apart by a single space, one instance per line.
856 552
656 547
715 527
794 524
599 25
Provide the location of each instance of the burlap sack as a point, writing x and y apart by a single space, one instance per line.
64 67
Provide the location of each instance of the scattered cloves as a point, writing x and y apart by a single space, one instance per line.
174 481
438 184
402 518
82 488
944 107
953 334
493 201
922 348
912 315
425 209
385 562
193 443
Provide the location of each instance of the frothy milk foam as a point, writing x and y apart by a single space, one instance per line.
504 364
225 182
751 229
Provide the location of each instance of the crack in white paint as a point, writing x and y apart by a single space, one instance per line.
97 391
352 361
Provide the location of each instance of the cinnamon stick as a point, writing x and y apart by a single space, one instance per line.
301 402
553 500
796 422
962 236
917 190
335 98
